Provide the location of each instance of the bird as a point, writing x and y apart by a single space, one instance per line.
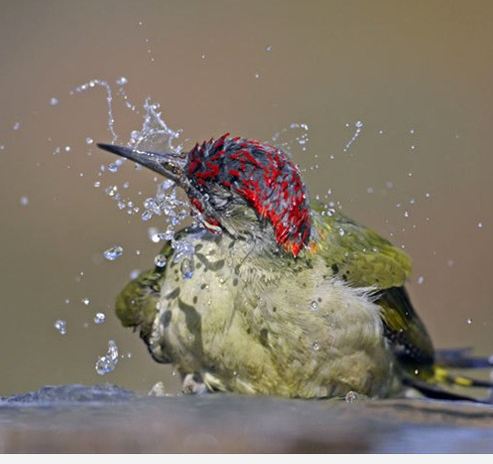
279 295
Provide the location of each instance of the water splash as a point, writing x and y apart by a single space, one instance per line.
99 318
113 253
187 268
60 326
108 362
314 306
160 261
294 136
359 126
109 100
155 134
351 397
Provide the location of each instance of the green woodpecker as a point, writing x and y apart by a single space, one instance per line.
278 296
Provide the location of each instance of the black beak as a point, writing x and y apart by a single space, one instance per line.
170 165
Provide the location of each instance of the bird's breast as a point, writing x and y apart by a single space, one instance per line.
261 326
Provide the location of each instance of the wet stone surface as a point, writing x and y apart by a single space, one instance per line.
107 418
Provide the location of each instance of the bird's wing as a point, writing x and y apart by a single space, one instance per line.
362 258
136 304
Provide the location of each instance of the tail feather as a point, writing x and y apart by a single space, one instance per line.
462 358
438 393
439 382
442 376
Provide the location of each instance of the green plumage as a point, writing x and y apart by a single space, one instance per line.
365 259
283 299
253 319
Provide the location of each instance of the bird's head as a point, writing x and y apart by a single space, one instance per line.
243 187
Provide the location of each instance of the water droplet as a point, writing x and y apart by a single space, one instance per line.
61 326
111 190
257 75
113 167
153 234
85 301
166 184
411 131
314 306
109 361
316 346
160 260
122 81
54 101
469 321
351 396
68 148
158 390
99 318
89 141
24 201
480 225
420 280
146 215
113 253
186 268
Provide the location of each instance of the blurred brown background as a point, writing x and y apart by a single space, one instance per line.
415 73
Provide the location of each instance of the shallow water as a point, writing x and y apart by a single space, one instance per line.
107 418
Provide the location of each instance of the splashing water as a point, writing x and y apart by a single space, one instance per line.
113 253
154 135
60 326
359 126
284 138
160 260
99 318
109 99
108 362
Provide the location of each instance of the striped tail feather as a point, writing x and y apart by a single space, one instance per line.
440 383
